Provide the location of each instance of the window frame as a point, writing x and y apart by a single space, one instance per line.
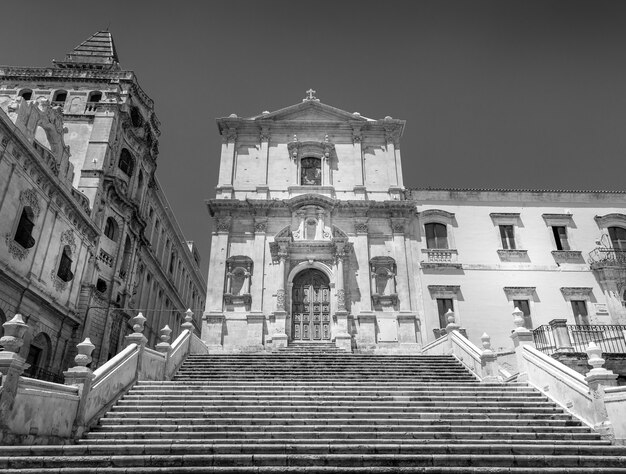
507 239
440 242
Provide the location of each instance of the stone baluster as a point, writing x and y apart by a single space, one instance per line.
11 365
188 324
488 360
82 377
450 328
598 378
521 337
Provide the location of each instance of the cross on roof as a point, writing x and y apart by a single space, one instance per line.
310 94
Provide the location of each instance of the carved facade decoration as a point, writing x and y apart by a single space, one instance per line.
383 281
15 250
222 224
238 280
30 197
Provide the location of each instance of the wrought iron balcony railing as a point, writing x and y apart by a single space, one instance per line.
610 338
607 257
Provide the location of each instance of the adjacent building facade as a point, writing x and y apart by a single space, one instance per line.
89 238
316 238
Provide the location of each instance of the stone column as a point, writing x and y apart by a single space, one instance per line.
343 340
280 335
264 137
521 337
258 257
213 317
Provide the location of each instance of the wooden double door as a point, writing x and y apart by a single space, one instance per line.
310 312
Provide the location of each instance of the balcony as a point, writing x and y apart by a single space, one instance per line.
575 338
603 257
91 107
440 258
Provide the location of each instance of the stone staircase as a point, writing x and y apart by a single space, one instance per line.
312 408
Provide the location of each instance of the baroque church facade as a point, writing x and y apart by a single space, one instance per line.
88 236
316 238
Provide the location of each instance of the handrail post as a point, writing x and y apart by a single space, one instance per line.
488 361
138 338
598 378
164 347
82 377
11 367
450 328
521 337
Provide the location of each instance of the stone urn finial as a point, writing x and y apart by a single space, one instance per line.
138 323
518 319
451 326
164 334
450 317
85 348
486 340
188 324
14 330
595 360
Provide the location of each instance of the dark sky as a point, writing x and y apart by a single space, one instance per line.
528 94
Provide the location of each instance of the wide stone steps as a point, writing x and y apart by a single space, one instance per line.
315 409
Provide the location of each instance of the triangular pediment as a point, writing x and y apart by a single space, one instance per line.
311 111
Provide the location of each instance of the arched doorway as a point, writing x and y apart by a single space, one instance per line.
310 311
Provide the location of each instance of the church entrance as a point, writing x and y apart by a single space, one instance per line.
310 306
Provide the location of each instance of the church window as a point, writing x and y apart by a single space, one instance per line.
579 308
24 232
618 237
110 229
26 94
436 236
95 96
59 96
135 117
311 172
126 162
443 306
507 236
65 265
101 285
560 237
524 307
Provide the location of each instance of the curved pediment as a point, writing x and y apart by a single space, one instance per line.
311 111
311 199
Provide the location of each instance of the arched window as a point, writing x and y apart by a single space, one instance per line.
24 232
65 265
101 285
26 94
110 229
311 172
436 236
126 258
126 162
618 237
59 96
95 96
39 355
135 117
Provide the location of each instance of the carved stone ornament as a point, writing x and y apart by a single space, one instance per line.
16 250
360 227
260 227
341 299
222 224
67 238
264 135
280 300
5 142
230 135
29 197
57 283
397 226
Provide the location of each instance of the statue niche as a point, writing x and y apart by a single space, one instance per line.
383 280
238 273
310 223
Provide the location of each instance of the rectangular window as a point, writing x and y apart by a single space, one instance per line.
560 237
436 236
443 306
579 307
508 237
524 307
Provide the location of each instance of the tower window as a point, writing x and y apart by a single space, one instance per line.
24 232
126 162
95 97
311 172
65 266
436 236
59 96
26 94
110 229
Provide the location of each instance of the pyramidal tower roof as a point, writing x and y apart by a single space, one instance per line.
96 52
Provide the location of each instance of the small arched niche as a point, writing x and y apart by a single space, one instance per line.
238 281
383 281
